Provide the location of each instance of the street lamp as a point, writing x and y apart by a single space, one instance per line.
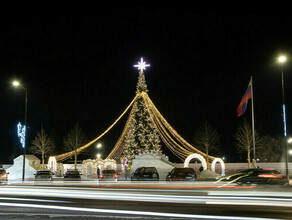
17 84
98 146
282 60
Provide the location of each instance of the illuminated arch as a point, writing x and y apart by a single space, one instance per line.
197 156
222 165
52 164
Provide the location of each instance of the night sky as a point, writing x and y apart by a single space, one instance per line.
80 69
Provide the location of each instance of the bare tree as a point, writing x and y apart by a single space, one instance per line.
74 140
41 145
206 139
244 139
269 149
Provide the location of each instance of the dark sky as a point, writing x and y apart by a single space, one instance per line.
80 69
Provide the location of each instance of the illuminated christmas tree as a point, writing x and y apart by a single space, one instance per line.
142 135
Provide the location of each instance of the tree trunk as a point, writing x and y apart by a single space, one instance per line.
43 160
75 161
248 158
207 161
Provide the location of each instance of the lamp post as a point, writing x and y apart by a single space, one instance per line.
282 60
17 84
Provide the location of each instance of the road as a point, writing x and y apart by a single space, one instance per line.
128 200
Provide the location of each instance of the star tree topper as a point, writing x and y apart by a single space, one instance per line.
142 65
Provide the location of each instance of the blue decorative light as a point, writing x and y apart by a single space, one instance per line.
284 120
21 131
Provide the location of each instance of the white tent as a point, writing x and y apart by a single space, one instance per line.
32 164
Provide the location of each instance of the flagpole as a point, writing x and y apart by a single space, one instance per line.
252 118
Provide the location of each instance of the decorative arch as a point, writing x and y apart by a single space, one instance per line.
222 165
52 164
197 156
89 170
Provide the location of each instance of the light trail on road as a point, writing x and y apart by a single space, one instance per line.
159 196
150 199
129 212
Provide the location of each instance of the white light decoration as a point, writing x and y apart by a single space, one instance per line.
21 131
198 156
141 65
222 165
52 164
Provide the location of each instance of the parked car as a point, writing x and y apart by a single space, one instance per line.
145 173
42 175
261 176
3 175
72 175
181 174
108 175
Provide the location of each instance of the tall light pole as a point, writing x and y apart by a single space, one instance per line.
282 60
17 84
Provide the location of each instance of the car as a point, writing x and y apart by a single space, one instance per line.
108 175
145 173
72 175
3 175
182 174
235 176
261 176
42 175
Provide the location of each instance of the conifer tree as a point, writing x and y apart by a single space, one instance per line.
142 135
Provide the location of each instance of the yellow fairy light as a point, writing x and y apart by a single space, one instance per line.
67 155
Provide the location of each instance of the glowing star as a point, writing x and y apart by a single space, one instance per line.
142 65
21 130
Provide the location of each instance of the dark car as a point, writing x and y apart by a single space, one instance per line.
43 175
261 176
235 176
108 175
72 175
145 173
3 175
181 174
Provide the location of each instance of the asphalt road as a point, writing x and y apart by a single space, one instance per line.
47 200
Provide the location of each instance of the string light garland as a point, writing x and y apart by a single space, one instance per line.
67 155
143 129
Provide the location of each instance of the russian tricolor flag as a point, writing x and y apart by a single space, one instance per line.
247 95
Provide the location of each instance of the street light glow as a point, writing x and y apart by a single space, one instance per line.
15 83
98 146
282 59
289 140
98 155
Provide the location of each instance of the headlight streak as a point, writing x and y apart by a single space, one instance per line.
206 192
231 200
33 200
129 212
